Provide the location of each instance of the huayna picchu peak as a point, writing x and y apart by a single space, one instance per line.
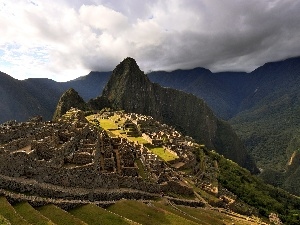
130 89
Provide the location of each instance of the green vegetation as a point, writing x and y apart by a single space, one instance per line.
59 216
254 191
162 153
208 216
92 214
112 128
8 212
147 214
167 207
142 172
108 124
124 212
31 215
138 139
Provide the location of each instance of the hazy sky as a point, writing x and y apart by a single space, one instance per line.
64 39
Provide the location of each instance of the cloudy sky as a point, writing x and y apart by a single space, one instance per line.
64 39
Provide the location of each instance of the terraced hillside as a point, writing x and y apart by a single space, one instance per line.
124 212
111 166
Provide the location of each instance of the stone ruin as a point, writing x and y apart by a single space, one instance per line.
43 157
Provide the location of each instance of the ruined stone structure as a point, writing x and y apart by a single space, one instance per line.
157 134
70 153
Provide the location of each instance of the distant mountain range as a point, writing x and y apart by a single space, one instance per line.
22 99
262 106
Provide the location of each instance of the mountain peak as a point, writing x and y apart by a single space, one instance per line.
128 67
126 78
69 99
129 62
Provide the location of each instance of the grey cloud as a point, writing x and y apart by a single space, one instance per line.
249 37
162 35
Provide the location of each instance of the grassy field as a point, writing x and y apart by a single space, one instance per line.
31 215
59 216
92 214
112 129
123 212
165 206
140 140
209 216
142 172
161 152
147 215
8 212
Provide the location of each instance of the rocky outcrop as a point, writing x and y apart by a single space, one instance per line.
68 100
131 90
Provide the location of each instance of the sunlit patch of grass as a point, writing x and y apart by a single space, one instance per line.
108 124
162 153
140 140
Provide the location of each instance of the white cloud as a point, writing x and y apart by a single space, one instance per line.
63 39
103 18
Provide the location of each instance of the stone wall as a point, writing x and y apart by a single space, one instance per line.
13 164
130 171
176 187
82 158
32 187
17 144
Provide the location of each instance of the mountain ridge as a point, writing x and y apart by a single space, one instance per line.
131 90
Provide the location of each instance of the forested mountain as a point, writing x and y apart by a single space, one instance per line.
16 100
22 99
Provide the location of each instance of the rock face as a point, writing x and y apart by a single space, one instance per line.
68 100
130 89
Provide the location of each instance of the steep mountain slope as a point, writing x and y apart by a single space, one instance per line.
16 102
89 86
131 90
269 119
46 92
223 92
22 99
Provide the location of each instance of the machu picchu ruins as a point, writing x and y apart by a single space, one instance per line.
102 157
74 158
